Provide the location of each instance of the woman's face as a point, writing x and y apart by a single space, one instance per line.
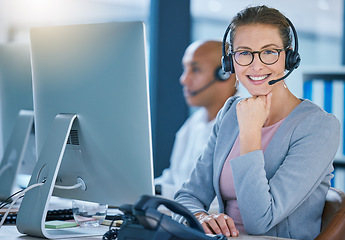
255 77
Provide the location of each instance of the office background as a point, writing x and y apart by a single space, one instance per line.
172 25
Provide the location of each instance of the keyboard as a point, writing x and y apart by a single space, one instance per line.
60 214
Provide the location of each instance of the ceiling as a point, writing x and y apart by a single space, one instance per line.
315 16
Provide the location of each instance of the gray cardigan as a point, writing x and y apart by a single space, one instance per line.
280 192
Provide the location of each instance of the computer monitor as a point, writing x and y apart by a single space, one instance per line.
17 136
92 119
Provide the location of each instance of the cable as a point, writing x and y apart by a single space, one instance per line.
113 233
78 185
15 200
22 192
6 202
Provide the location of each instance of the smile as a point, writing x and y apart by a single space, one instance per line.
258 78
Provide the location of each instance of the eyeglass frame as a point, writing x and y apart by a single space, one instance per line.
258 52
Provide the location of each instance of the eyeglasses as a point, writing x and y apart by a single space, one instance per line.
266 56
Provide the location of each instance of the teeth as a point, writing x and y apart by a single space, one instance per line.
258 78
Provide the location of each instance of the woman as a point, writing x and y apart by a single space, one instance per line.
269 158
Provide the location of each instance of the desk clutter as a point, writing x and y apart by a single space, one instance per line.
141 221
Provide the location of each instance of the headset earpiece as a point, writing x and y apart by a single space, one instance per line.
220 74
227 64
292 59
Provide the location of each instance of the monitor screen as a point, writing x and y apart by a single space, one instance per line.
15 96
98 73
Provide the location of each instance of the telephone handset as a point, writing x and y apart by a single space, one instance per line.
146 222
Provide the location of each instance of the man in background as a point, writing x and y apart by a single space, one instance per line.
207 87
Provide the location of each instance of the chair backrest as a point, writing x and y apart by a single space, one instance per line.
333 217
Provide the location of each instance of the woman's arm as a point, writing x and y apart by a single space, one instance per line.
198 192
264 203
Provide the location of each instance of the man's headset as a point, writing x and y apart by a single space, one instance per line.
219 75
292 59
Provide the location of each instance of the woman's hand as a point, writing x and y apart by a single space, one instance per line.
252 114
217 224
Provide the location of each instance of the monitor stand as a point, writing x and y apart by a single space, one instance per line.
33 209
14 152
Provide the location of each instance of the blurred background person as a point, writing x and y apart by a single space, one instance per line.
206 86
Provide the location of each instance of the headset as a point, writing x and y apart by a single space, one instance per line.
219 75
292 59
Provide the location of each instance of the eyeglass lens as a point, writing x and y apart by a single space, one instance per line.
244 58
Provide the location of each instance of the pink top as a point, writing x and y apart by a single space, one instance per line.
226 182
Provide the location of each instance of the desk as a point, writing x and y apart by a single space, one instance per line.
9 232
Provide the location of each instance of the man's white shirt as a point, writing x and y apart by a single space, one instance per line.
190 141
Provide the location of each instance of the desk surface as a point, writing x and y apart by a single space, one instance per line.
10 232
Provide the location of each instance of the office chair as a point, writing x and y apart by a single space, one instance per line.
333 217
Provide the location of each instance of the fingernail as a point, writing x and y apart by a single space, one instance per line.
227 234
234 234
